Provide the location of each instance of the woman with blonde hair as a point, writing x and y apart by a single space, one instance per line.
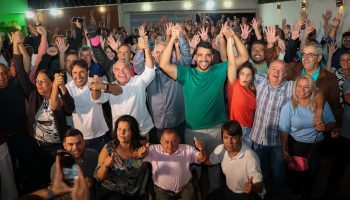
301 137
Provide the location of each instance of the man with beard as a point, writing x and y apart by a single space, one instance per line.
257 56
203 88
164 95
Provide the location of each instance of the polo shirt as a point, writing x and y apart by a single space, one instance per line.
171 172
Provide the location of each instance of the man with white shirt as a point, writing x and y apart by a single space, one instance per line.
88 116
133 99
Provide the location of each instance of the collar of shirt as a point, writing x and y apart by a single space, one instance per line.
313 75
240 153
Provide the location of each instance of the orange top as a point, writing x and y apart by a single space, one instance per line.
241 104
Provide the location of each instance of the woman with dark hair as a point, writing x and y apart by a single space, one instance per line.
48 102
118 171
110 53
241 100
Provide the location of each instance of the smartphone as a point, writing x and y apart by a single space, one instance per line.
69 167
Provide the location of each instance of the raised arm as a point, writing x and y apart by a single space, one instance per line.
242 51
256 26
165 64
332 48
56 102
231 71
62 48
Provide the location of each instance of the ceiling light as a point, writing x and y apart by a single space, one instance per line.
227 4
29 14
210 5
187 5
102 9
146 7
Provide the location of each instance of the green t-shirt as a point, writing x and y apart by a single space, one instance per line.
204 95
262 68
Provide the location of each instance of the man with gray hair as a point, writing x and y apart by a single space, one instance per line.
133 99
164 95
86 54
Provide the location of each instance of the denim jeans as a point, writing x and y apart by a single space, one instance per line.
271 158
245 137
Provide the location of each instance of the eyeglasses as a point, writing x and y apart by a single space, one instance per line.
40 82
346 40
309 55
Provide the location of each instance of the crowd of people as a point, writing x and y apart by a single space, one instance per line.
146 114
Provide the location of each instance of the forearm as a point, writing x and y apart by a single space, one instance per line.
114 89
257 34
284 140
95 94
231 71
26 58
148 56
166 56
243 55
177 54
62 62
329 62
101 172
222 47
56 101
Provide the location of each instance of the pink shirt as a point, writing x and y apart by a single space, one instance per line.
171 172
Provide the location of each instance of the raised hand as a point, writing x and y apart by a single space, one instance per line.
59 80
255 24
245 31
41 30
169 27
295 33
175 32
336 20
81 189
326 16
142 43
247 187
96 83
142 31
112 43
195 40
309 27
281 44
61 45
203 33
271 37
332 48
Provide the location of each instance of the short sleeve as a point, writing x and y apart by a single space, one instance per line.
253 167
285 118
328 116
182 72
217 155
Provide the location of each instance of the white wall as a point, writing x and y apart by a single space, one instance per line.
290 11
125 10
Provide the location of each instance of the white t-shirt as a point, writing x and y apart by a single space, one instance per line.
237 169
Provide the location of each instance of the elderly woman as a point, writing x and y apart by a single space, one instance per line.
119 172
300 136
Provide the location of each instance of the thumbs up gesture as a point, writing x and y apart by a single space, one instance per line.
142 151
247 188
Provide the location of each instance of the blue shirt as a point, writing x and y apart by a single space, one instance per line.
96 69
313 75
299 123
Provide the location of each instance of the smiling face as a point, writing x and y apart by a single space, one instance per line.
303 89
75 145
43 84
122 72
257 53
79 75
345 61
157 52
276 73
310 58
204 58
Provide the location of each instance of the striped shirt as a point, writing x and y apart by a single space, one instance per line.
269 102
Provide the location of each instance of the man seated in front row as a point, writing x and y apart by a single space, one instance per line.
239 163
73 142
171 166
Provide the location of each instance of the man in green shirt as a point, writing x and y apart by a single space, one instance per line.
203 88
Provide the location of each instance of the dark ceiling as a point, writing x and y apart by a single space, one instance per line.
42 4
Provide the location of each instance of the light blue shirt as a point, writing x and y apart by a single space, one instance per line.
299 124
313 75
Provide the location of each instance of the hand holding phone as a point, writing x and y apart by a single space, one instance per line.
69 167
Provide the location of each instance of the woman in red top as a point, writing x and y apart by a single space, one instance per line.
241 99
